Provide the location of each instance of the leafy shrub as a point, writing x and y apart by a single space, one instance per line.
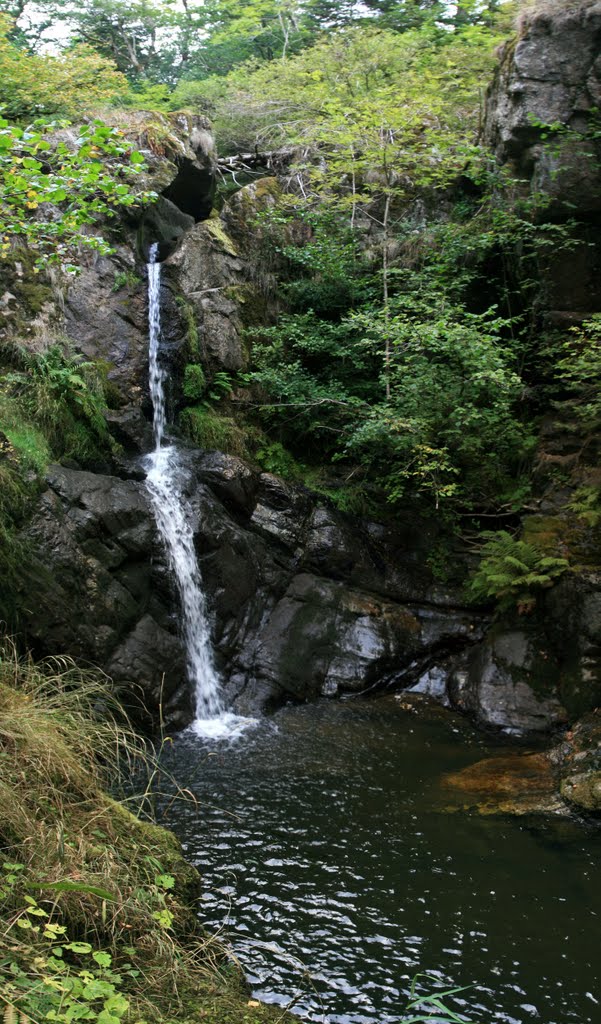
512 572
39 83
586 504
580 371
436 416
274 458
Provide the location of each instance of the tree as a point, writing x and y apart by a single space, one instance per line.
34 84
145 39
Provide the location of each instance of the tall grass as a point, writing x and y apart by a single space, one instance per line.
115 881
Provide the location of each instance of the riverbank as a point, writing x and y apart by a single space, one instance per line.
98 914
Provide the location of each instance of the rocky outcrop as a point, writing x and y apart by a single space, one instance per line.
580 764
103 312
100 594
304 601
510 681
207 274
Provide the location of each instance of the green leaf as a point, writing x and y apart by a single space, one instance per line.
165 881
102 958
117 1004
79 947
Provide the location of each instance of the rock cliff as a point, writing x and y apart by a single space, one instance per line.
542 122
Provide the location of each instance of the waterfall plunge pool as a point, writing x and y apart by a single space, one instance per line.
333 864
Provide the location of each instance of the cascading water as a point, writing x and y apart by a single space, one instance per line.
173 515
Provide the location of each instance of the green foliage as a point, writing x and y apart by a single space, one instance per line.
62 399
207 429
274 458
195 382
220 386
433 1005
372 99
85 179
586 505
125 279
38 84
65 980
449 426
512 572
579 371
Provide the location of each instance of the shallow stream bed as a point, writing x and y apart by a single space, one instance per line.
337 865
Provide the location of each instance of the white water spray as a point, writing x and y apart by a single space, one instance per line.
173 516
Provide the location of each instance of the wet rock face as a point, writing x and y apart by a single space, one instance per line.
579 764
103 592
303 601
510 681
208 274
550 76
105 308
306 602
573 612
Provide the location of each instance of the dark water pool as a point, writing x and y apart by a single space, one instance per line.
333 865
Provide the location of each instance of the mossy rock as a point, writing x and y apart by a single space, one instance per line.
583 790
216 432
217 231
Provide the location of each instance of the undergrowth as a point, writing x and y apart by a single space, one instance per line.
52 404
51 407
97 916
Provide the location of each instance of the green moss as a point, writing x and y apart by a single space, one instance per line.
215 228
33 295
207 429
545 533
194 383
189 317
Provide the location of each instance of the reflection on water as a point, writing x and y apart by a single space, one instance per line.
329 863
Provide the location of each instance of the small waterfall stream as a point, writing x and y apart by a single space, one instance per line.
173 517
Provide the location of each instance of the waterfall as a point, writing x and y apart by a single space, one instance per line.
173 517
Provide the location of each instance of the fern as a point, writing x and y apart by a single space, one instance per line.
513 571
